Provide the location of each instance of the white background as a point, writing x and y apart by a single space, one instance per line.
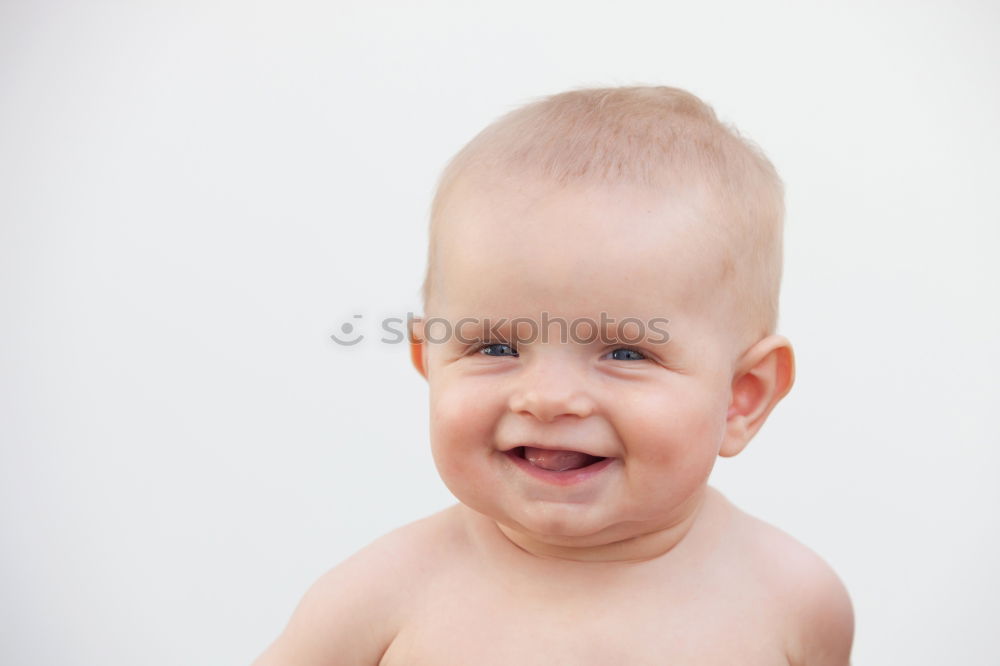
194 195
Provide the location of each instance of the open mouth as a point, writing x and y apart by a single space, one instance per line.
555 461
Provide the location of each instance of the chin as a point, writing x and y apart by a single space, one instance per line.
557 523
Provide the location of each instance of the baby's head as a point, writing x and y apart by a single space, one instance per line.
602 278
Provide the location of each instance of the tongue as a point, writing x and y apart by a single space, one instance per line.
558 461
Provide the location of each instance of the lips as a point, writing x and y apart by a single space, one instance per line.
519 449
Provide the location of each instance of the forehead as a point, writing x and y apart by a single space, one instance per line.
527 247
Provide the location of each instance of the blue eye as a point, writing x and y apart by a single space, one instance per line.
628 354
485 349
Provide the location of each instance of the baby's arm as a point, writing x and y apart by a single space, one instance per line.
347 617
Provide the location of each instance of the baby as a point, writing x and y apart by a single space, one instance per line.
599 314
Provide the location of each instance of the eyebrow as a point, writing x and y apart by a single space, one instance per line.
650 330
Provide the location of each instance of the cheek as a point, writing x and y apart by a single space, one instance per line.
452 408
461 421
675 432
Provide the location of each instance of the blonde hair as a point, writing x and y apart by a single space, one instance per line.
653 137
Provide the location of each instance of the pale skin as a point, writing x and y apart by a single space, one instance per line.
644 563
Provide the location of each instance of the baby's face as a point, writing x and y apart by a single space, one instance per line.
655 409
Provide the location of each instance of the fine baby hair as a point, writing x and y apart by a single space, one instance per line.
655 137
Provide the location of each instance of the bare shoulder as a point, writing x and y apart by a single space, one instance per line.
351 613
813 601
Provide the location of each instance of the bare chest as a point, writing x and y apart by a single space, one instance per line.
490 624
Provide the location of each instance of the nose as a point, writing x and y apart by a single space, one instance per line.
550 392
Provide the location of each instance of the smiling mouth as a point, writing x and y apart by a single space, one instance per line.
555 461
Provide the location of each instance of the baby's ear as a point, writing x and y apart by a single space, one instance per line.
764 376
418 351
